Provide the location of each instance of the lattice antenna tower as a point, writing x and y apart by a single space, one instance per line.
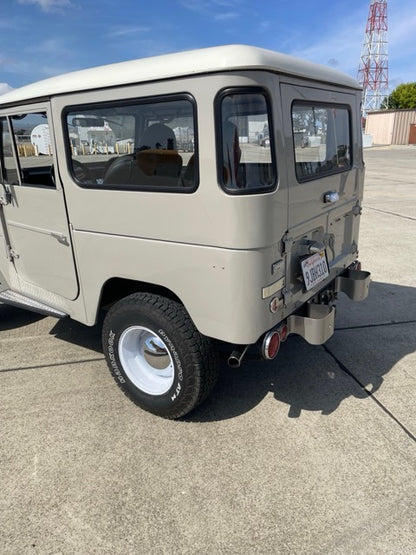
373 72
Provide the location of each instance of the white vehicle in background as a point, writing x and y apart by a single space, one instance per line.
188 224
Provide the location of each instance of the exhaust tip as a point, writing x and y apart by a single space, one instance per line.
236 357
234 361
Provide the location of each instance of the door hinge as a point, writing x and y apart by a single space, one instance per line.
13 254
357 210
287 244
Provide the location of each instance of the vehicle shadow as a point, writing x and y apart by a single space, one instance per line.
12 318
370 338
302 377
79 334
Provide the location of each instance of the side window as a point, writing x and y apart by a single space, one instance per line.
322 140
8 166
33 147
28 135
245 152
145 145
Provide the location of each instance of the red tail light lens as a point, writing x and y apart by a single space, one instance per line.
271 345
284 332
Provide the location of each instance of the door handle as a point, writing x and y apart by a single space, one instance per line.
331 196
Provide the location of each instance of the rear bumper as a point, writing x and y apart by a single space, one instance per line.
354 283
316 322
316 326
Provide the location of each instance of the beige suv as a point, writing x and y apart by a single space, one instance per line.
204 195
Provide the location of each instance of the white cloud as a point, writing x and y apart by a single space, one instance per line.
339 49
226 15
218 9
4 88
44 58
48 5
401 33
209 4
122 31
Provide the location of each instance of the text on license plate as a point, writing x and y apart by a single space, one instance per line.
314 269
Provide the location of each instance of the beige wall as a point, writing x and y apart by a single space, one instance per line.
380 126
390 127
402 123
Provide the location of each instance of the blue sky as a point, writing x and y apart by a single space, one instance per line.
42 38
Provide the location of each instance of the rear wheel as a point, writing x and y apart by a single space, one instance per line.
157 356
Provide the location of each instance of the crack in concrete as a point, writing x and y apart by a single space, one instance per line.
380 325
69 362
411 218
346 370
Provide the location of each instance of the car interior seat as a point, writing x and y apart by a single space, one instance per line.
156 161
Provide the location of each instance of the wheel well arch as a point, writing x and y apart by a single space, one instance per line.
117 288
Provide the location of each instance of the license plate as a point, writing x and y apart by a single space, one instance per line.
314 269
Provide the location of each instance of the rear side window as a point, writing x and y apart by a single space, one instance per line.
245 142
321 138
148 144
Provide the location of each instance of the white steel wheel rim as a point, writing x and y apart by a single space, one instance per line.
146 360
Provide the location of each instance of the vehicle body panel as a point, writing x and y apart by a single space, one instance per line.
226 257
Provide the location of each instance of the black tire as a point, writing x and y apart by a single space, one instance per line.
157 356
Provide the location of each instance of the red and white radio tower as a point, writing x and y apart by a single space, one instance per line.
373 72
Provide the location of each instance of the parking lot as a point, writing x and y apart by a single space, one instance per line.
313 453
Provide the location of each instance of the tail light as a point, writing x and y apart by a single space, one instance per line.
271 345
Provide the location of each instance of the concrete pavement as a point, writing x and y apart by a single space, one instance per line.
313 453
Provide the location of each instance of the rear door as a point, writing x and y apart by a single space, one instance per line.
34 220
325 185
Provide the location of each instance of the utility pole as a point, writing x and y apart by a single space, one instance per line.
373 72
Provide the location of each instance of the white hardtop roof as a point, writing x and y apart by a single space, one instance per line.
192 62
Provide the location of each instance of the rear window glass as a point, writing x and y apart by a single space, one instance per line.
144 145
245 154
321 138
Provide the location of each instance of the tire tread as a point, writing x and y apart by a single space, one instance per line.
199 351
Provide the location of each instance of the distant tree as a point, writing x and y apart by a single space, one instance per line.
403 97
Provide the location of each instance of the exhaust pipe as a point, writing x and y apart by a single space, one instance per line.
236 357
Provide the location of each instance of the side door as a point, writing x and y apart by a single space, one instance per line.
325 177
34 218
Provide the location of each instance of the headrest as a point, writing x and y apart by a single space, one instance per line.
158 136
